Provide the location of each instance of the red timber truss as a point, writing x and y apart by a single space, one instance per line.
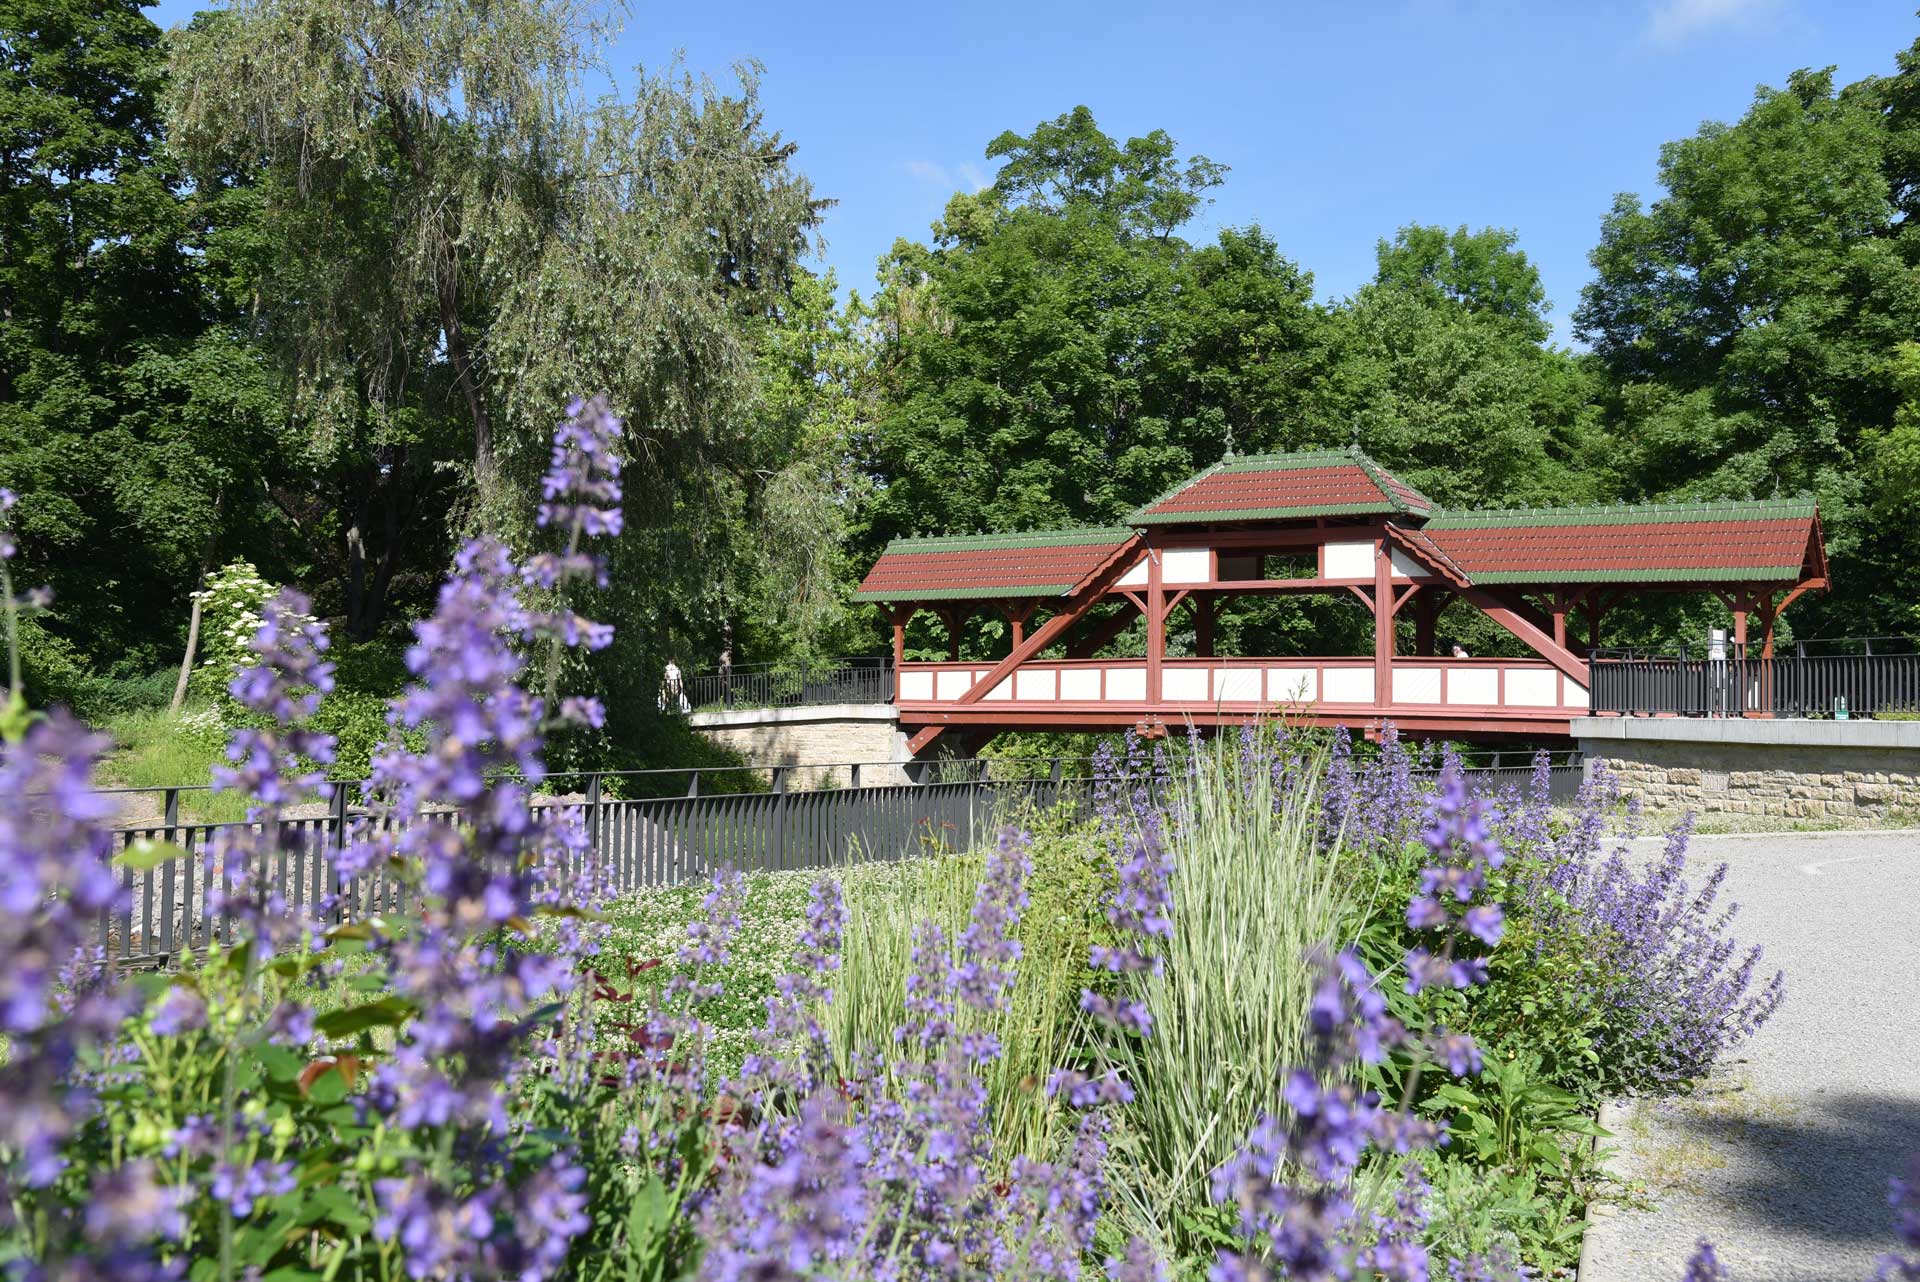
1329 522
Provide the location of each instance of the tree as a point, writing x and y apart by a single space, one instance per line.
1058 354
1750 317
455 238
1481 271
133 418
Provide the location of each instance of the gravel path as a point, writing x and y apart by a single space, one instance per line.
1782 1161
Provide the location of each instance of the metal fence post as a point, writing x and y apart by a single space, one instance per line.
593 812
339 807
780 816
173 811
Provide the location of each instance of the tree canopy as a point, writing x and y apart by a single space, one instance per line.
307 282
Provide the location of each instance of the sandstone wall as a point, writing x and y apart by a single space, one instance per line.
818 741
1789 781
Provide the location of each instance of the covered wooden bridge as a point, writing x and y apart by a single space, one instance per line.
1326 522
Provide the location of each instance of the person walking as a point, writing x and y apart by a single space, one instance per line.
673 691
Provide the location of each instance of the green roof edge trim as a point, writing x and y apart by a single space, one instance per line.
1081 537
964 594
1623 514
1703 574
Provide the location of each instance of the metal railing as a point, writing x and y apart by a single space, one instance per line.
857 680
699 820
1840 685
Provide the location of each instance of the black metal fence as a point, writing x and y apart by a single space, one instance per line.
891 812
1801 684
857 680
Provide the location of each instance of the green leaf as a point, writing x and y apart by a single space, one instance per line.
146 853
388 1012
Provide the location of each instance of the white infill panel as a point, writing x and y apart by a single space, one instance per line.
1416 685
1293 685
951 685
1572 693
1533 687
1126 683
1349 685
1405 567
1477 686
1186 565
1188 685
1236 685
1136 577
916 685
1035 685
1349 561
1081 684
1003 691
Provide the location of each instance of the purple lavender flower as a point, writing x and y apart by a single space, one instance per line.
1704 1265
128 1206
988 951
241 1187
1903 1195
182 1010
1138 1264
55 880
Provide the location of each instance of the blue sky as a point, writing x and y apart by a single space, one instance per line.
1341 121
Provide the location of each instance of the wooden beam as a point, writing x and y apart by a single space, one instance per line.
1536 638
1075 606
1205 611
1156 624
1383 638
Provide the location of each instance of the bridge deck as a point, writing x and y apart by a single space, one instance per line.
1442 695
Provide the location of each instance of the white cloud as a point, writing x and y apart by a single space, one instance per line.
1672 23
966 176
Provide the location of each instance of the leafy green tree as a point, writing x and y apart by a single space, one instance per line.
1059 354
134 419
454 241
1482 271
1750 317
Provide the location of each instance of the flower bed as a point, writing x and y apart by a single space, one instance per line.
1278 1011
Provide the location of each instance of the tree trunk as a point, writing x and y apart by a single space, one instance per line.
186 660
193 616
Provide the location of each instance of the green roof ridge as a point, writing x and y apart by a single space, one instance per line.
1621 513
1074 537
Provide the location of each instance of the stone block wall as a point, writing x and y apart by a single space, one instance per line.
816 741
1788 781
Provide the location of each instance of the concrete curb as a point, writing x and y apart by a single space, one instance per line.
1612 1118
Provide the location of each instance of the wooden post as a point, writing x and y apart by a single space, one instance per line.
1595 610
1426 617
1017 616
1203 621
952 618
1382 624
1156 626
900 617
1562 602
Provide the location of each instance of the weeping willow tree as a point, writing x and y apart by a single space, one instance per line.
450 232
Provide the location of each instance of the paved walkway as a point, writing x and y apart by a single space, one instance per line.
1783 1161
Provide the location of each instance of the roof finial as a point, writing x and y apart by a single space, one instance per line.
1229 438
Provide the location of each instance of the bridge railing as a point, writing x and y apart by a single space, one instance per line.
646 829
1866 682
855 680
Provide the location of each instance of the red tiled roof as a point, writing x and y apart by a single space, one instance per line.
1038 563
1644 543
1284 487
